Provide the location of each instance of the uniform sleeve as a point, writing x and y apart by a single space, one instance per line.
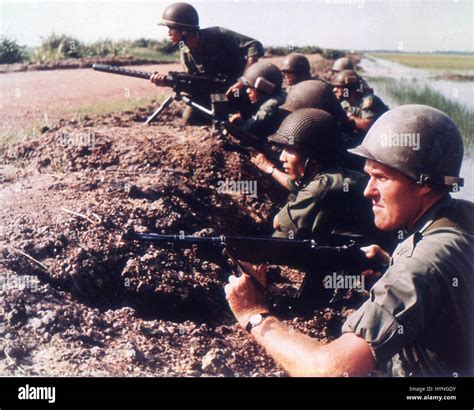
401 304
259 121
299 216
372 107
249 46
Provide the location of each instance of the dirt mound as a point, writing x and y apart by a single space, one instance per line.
105 305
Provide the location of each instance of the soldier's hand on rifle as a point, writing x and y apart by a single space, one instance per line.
261 161
235 88
235 118
375 252
158 79
245 299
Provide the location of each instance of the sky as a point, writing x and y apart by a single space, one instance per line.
428 25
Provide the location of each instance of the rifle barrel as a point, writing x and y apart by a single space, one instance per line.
122 71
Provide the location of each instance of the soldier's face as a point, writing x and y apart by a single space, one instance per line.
293 163
396 199
340 92
253 94
174 35
290 78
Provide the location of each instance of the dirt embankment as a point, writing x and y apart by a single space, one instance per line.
77 298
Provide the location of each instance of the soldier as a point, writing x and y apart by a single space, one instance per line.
418 320
313 94
211 51
362 107
295 68
263 81
327 199
343 63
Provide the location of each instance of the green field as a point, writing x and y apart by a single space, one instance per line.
406 92
431 61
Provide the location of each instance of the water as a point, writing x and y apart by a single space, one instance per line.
458 91
467 172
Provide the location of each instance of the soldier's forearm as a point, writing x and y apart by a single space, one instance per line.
362 124
297 353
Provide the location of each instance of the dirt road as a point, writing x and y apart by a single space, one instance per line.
37 98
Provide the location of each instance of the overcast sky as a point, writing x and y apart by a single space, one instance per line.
350 24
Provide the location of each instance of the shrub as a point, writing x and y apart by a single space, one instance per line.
10 51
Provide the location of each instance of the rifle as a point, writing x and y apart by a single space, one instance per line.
189 84
180 83
305 254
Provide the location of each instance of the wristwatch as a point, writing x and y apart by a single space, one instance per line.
255 320
270 170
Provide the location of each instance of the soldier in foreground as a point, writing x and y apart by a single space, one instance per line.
211 51
295 68
362 107
263 82
419 317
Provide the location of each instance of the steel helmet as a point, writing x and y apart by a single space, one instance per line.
263 76
181 16
298 64
419 141
313 94
312 132
347 79
340 64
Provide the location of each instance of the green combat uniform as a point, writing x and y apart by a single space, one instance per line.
265 118
220 51
223 52
330 205
369 106
420 315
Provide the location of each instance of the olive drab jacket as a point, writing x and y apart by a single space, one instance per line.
419 318
221 51
331 205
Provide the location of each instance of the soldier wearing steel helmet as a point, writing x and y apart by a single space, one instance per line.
361 106
211 51
316 94
418 320
264 87
326 201
343 63
295 68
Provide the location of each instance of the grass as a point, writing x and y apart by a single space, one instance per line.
431 61
150 54
411 93
101 108
96 109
